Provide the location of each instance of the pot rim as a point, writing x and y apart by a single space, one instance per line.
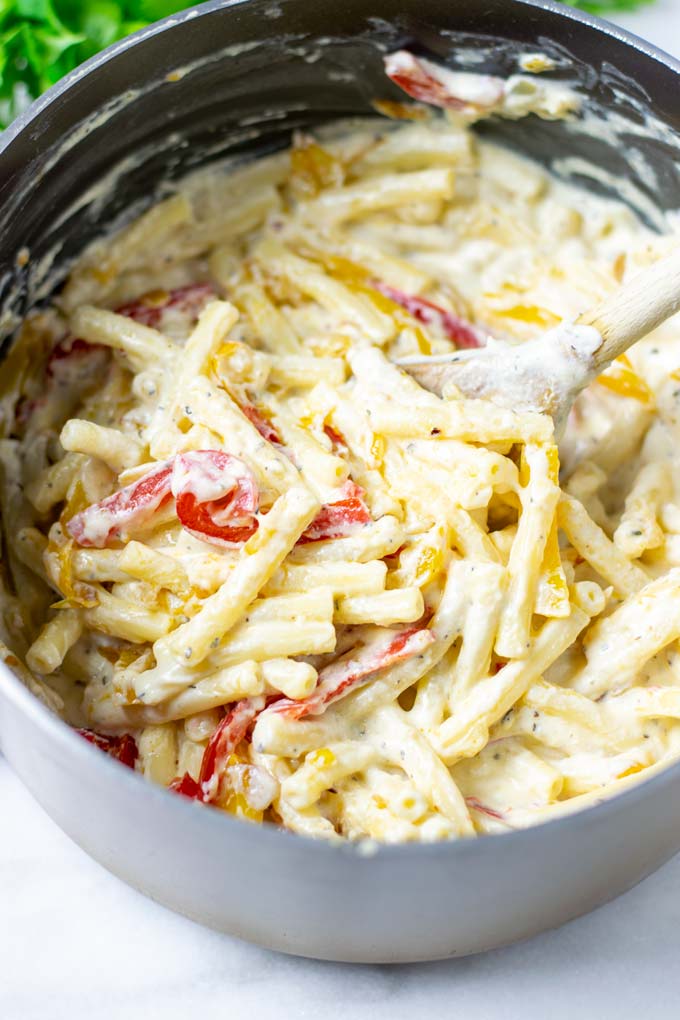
219 823
91 66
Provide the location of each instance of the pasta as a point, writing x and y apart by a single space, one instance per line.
247 555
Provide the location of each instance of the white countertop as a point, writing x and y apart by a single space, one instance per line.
76 943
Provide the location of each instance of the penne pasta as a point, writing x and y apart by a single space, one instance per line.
270 571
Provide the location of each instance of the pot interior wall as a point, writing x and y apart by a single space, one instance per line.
238 77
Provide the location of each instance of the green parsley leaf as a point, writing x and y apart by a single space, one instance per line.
608 6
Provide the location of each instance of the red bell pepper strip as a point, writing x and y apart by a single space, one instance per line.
73 359
339 519
355 668
187 302
336 438
102 522
228 735
438 86
334 520
463 334
123 748
216 496
262 424
186 786
335 682
224 741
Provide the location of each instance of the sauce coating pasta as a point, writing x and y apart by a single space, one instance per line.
247 555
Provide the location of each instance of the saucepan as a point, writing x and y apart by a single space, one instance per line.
233 78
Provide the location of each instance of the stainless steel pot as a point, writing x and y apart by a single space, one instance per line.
248 72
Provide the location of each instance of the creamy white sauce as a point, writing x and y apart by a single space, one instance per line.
545 374
512 250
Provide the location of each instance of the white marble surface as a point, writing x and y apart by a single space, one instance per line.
76 943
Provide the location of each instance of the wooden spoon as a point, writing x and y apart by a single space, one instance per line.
548 373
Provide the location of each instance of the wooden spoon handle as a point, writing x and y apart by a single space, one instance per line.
636 309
